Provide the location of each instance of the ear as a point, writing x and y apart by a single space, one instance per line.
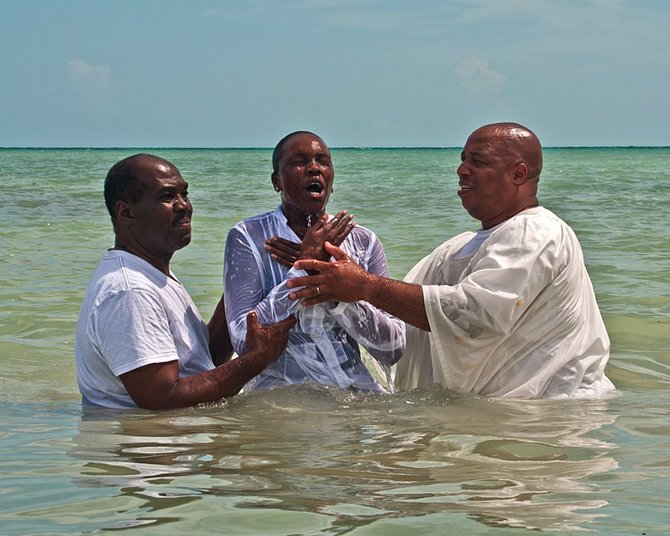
275 182
124 213
520 174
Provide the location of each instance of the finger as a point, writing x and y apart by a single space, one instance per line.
304 293
320 222
314 300
339 220
342 224
276 240
336 252
280 243
304 281
342 231
281 248
311 264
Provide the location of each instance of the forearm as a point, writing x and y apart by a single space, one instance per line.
222 382
402 300
380 333
273 308
158 386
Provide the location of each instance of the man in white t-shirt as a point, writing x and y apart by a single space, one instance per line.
140 339
508 311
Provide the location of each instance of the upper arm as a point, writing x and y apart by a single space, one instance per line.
251 284
366 249
151 386
132 329
508 274
243 285
220 345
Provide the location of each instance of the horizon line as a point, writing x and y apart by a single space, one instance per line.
355 147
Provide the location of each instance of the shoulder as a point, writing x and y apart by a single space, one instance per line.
255 221
534 225
363 233
536 233
363 238
122 274
251 227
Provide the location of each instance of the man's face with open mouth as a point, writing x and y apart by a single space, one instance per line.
305 174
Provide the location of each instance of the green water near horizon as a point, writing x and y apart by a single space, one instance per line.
312 461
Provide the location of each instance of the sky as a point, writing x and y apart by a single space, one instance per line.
360 73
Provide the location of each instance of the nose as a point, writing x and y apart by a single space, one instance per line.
461 169
313 167
182 202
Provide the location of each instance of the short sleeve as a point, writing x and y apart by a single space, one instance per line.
132 330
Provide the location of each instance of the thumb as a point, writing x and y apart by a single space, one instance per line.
252 322
335 251
288 322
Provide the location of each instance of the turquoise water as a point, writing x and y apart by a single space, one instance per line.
311 461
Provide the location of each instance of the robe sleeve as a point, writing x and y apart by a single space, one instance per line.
243 288
380 333
473 317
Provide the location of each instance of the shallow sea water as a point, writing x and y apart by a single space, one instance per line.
319 461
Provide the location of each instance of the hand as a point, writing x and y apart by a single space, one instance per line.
283 251
337 229
340 280
334 231
269 340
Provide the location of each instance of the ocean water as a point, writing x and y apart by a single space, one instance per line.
317 461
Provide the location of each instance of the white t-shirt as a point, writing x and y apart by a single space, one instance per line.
134 315
516 317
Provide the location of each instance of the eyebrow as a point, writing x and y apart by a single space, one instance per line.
172 187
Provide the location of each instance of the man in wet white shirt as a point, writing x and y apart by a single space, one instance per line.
140 340
508 311
324 347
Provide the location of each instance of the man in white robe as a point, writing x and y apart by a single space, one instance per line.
508 311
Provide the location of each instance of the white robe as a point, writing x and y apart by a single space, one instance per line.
517 317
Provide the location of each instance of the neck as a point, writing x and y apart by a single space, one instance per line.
160 262
532 203
299 221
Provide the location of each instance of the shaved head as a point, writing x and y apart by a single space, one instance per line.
518 143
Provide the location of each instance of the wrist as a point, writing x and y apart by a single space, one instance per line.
367 288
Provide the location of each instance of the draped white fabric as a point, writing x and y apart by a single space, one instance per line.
323 346
516 317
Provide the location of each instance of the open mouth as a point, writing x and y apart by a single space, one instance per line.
315 188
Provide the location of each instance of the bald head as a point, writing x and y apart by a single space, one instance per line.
126 180
499 172
516 143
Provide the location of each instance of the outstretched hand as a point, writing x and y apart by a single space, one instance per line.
338 280
268 340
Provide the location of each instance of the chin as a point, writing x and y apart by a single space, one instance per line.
185 241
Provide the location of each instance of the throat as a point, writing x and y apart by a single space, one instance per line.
300 222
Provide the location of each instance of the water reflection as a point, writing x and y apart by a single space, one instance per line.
344 460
